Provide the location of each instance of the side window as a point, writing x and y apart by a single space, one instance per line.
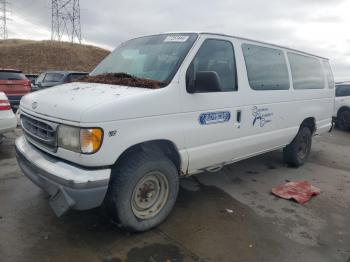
343 90
329 74
266 68
215 56
307 72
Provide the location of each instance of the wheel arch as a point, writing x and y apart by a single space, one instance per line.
164 146
310 123
343 108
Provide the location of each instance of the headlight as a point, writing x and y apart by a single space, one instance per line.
90 140
81 140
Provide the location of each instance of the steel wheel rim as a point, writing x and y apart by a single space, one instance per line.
303 147
150 195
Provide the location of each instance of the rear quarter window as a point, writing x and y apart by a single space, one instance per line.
307 72
12 76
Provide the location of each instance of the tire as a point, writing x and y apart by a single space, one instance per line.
343 120
297 152
142 191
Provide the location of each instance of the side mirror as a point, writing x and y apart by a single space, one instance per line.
205 82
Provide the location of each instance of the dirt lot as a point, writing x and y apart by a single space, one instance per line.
260 228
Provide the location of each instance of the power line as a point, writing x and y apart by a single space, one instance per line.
65 20
3 19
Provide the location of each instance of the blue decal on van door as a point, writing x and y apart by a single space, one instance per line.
261 115
214 117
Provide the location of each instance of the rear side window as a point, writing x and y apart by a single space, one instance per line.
53 77
218 56
342 90
266 68
307 72
329 74
12 76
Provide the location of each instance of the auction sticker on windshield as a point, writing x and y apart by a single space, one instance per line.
176 38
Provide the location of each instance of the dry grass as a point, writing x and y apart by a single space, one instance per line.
37 56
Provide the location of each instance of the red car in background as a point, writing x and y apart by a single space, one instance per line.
15 85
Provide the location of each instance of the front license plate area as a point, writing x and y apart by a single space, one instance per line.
61 202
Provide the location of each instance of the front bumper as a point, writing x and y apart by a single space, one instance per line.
70 186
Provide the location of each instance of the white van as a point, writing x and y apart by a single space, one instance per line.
211 100
341 112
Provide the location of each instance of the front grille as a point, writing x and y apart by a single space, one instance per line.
41 132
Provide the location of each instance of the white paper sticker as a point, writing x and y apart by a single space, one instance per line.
176 38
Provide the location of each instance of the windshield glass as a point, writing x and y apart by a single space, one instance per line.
156 57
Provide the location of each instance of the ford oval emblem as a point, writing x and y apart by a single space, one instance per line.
35 105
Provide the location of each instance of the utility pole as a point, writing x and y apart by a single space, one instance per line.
65 20
3 19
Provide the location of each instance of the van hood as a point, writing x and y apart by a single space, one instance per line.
70 101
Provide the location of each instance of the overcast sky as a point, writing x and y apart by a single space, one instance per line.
317 26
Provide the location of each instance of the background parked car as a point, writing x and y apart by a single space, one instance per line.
8 120
342 105
54 78
32 78
15 85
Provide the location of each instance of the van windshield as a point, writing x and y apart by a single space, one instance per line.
156 57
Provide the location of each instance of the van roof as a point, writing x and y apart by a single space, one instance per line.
247 39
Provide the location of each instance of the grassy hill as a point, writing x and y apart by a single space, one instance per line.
37 56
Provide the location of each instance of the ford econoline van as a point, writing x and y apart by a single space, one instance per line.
169 105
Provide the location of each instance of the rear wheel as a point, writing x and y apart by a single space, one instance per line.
343 120
143 191
297 152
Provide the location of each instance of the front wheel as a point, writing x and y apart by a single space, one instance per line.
143 191
297 152
343 120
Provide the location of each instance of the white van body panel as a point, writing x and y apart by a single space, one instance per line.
139 115
212 145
